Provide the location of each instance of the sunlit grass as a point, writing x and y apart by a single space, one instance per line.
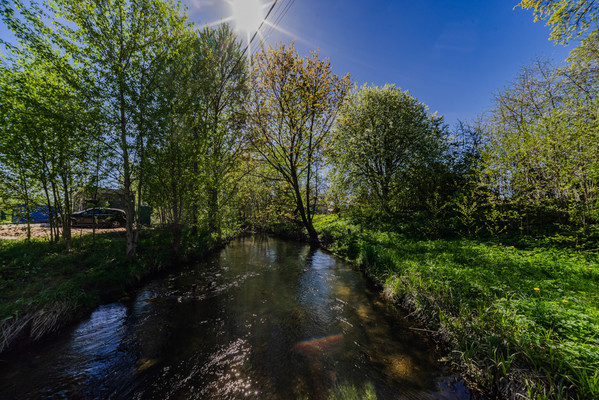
529 315
348 391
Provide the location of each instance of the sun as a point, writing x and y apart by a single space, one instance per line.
247 14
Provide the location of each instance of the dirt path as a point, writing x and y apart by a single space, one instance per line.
41 231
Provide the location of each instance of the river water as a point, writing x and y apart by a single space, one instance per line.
262 319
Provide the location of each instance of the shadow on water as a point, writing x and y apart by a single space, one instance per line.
263 319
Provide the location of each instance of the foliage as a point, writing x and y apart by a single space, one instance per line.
106 55
113 94
122 93
542 147
201 94
44 150
294 103
385 145
569 19
221 142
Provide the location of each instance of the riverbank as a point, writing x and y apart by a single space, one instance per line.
263 318
43 288
520 321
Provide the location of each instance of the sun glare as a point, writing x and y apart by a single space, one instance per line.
247 14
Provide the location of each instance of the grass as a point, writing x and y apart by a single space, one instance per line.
350 392
520 320
42 286
347 391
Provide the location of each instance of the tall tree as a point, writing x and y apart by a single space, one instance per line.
123 44
294 103
172 150
202 92
218 131
386 144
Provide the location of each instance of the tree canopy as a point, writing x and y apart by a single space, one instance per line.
568 19
294 104
385 141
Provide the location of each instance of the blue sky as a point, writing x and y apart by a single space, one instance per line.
452 55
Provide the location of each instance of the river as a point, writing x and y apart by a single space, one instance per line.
262 319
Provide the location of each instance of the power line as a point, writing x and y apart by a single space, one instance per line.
285 10
275 18
251 40
224 81
278 18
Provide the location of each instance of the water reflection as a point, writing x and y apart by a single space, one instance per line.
263 319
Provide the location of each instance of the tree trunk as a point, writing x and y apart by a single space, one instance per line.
129 202
213 215
128 195
51 217
176 225
27 208
66 218
307 222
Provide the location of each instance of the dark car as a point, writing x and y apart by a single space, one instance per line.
105 217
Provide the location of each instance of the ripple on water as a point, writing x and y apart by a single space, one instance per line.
263 319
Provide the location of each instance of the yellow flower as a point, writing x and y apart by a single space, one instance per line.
565 301
537 288
500 244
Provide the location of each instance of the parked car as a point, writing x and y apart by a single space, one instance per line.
104 217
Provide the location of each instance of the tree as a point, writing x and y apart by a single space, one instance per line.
542 145
46 136
123 45
202 89
294 103
385 142
569 19
172 149
120 46
220 74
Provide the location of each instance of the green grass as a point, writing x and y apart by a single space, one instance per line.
37 275
350 392
519 320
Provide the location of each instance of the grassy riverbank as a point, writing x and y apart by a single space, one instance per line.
43 287
520 319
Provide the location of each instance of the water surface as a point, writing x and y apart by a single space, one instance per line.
262 319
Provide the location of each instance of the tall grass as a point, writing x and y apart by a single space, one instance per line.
520 321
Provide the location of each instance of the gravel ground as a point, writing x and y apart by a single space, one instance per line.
19 231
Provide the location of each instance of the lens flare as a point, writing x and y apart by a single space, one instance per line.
247 14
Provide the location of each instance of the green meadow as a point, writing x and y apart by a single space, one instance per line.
511 314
